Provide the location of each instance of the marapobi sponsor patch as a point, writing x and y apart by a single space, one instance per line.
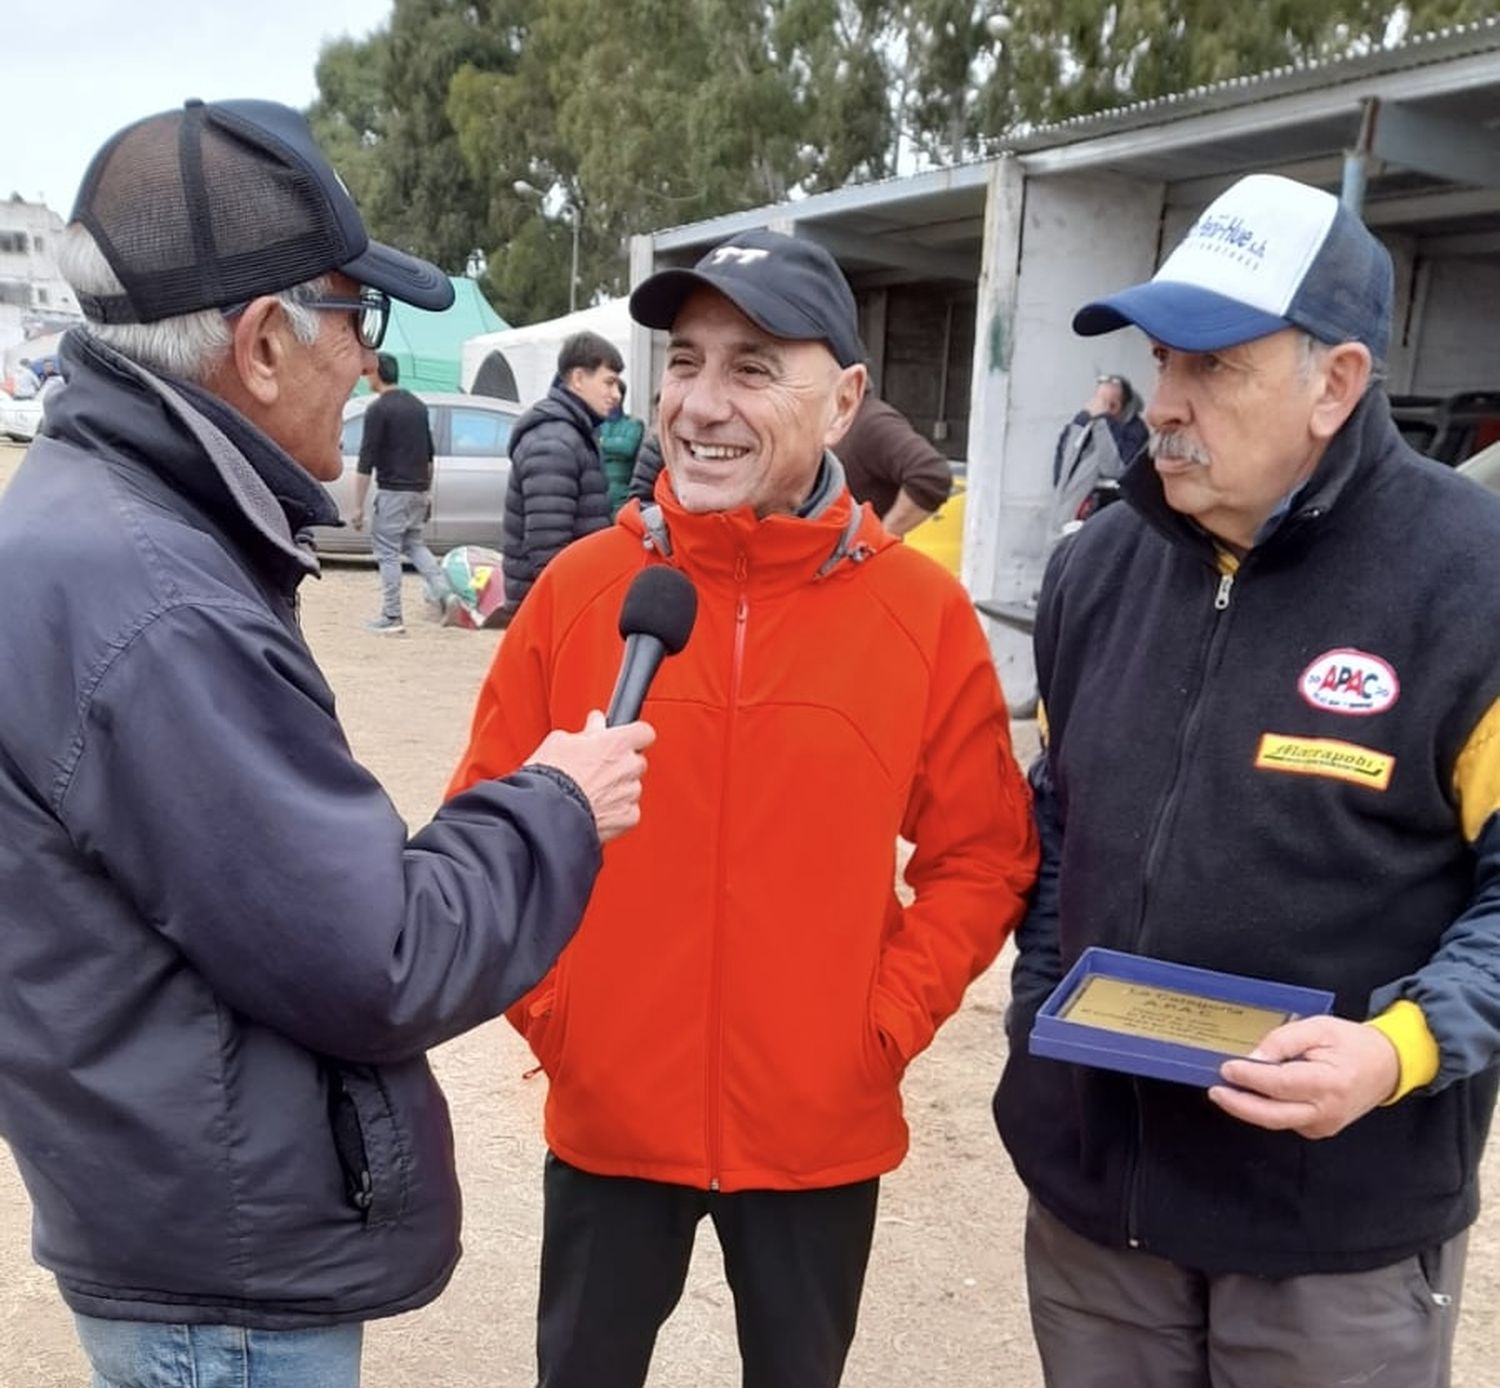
1325 756
1349 681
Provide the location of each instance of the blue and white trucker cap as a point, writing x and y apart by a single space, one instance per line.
1268 254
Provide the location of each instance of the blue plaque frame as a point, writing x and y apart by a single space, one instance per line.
1057 1038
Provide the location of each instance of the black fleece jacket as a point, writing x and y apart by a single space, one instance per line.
1174 828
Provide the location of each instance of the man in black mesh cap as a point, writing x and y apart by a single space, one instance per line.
222 957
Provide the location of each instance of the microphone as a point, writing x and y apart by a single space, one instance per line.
656 620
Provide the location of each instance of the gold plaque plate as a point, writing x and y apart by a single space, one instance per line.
1166 1014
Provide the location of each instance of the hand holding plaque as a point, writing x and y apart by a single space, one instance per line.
1325 1073
1167 1021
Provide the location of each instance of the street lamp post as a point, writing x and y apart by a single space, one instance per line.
576 217
573 272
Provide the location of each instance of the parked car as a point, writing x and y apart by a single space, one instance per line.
21 419
471 436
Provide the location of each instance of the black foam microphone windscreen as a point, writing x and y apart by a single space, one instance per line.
656 620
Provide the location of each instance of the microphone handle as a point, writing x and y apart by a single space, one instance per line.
643 654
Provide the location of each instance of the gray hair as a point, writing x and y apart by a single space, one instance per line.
189 346
1314 349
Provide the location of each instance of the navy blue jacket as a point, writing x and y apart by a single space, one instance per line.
221 956
557 490
1294 774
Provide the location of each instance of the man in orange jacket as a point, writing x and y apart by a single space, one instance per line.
727 1032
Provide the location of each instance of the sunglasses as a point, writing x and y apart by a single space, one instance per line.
371 310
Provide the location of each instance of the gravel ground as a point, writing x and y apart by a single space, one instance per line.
944 1302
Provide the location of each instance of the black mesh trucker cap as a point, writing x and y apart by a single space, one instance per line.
220 202
790 287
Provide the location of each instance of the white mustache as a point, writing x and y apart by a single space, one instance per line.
1177 445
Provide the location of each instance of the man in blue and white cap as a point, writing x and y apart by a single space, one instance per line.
1279 759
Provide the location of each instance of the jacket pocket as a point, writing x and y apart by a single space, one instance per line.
545 1028
885 1061
372 1151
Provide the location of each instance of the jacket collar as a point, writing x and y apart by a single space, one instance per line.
1365 444
114 406
830 534
561 405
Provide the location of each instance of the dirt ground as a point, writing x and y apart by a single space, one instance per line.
945 1300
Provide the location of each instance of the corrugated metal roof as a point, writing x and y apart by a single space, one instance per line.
1251 146
1420 50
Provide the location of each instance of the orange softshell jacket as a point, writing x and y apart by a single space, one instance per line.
746 989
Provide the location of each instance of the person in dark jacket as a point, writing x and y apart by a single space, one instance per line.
557 491
1280 759
648 460
890 465
222 956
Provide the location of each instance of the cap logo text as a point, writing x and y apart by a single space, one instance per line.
1230 233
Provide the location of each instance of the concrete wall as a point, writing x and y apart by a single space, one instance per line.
1050 245
1457 340
926 359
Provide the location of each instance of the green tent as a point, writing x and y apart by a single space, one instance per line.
427 346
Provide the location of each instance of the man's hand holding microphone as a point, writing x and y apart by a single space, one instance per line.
606 764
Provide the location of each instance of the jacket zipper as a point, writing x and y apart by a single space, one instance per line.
1154 850
716 979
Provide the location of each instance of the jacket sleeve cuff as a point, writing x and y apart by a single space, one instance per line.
563 782
1405 1027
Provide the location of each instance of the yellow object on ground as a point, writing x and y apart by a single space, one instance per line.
941 535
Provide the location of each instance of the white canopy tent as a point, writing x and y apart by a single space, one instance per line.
519 363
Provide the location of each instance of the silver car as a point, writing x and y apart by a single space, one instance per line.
471 436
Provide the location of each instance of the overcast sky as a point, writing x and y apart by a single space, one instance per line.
72 72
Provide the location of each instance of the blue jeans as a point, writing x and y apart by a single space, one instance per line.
144 1354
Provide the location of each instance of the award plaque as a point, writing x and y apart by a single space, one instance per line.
1166 1021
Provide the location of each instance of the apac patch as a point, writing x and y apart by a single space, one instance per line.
1345 680
1325 756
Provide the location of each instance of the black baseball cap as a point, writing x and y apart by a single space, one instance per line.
223 201
790 287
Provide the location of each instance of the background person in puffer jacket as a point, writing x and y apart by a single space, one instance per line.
557 490
221 956
727 1036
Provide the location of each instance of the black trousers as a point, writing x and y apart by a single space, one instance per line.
615 1254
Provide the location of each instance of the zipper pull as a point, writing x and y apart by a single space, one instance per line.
1221 598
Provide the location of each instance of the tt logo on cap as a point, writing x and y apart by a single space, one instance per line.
743 255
